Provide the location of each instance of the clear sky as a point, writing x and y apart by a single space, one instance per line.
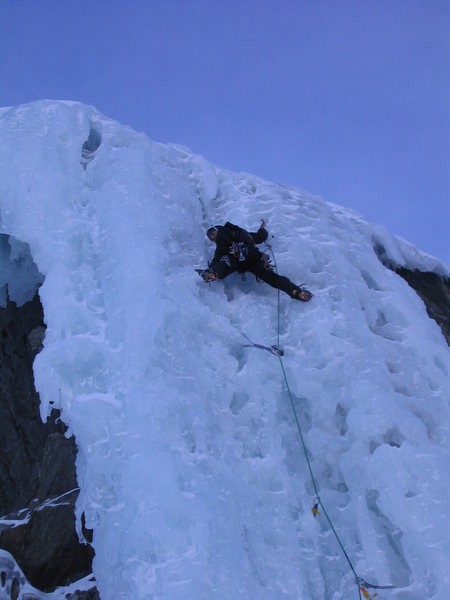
347 99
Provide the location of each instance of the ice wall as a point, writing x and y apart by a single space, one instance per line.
190 465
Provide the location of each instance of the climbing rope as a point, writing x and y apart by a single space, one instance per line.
361 584
317 501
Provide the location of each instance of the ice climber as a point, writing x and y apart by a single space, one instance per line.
236 251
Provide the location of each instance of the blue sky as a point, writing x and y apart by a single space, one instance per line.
347 99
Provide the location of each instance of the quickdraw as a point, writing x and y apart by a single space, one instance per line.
367 595
364 586
276 350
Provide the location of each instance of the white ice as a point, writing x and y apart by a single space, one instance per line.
190 465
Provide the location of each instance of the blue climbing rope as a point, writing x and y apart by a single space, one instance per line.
317 502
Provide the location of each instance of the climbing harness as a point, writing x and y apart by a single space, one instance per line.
239 250
362 585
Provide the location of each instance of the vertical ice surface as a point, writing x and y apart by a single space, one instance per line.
190 465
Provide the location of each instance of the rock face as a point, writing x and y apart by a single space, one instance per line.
37 463
434 289
435 292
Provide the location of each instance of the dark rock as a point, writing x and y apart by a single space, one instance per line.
434 289
37 463
435 292
89 595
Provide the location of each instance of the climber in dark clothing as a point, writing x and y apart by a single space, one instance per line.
236 251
